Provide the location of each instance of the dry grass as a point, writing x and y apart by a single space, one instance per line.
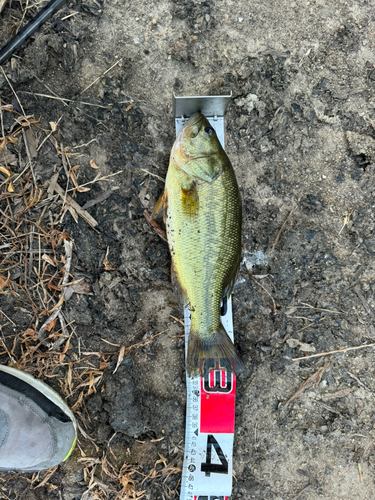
36 275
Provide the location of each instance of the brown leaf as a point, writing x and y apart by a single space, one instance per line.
120 358
72 175
48 259
29 333
93 165
106 265
5 171
58 304
51 325
338 394
3 282
80 286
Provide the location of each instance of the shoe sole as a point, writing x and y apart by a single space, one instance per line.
44 389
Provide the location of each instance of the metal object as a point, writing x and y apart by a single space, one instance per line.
212 107
30 28
207 467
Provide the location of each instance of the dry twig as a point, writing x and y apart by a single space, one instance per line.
314 378
281 230
334 352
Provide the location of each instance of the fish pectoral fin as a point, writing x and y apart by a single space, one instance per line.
189 198
160 204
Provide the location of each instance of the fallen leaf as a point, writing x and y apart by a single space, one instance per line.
93 165
290 311
58 304
51 325
106 265
3 282
295 343
48 259
29 333
338 394
53 126
80 286
120 358
5 171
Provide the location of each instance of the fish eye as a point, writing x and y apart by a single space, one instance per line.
209 131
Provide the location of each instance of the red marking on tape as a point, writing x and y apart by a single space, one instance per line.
218 393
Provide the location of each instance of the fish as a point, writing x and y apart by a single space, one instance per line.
203 215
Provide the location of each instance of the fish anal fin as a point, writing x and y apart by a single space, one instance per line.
179 291
230 282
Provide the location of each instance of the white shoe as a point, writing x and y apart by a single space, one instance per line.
37 428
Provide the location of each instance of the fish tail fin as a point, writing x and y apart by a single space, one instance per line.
213 353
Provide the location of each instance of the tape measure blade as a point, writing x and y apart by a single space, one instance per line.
208 457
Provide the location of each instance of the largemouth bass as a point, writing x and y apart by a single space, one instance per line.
202 214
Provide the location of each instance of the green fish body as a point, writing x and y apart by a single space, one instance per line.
202 214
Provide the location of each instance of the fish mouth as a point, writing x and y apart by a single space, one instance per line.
192 126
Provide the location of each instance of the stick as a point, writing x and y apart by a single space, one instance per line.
29 156
85 215
1 117
153 175
281 230
101 76
268 293
313 379
57 309
97 179
14 92
63 99
334 352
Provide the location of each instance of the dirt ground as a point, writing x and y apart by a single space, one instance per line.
300 133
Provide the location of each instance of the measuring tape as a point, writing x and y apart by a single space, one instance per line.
208 457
